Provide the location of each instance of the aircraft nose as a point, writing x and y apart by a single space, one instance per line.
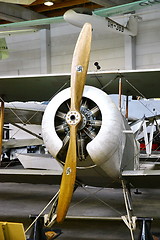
68 15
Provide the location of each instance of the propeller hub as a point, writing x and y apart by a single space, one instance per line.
73 118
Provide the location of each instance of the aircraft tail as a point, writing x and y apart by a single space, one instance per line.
132 25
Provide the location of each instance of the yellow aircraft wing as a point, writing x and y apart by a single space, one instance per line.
11 231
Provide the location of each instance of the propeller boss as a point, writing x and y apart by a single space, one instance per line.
73 117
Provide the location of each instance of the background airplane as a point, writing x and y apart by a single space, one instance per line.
100 16
78 17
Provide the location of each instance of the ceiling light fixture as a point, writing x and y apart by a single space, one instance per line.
48 3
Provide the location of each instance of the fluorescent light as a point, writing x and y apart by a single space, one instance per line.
48 3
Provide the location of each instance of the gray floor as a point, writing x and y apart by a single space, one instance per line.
18 201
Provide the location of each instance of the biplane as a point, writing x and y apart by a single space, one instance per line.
84 130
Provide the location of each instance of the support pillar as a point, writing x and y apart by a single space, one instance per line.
126 107
45 39
130 52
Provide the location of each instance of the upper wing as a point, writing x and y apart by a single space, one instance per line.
43 87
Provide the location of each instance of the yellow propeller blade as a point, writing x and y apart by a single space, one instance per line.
68 178
80 65
78 76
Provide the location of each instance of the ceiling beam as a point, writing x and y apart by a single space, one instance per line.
38 2
9 18
104 3
27 2
57 5
112 3
61 11
15 13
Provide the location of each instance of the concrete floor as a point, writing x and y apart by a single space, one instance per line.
18 201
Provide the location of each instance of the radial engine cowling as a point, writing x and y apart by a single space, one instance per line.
102 138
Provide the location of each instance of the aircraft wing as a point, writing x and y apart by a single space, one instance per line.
17 143
30 176
27 113
138 179
124 8
143 178
35 169
43 87
37 22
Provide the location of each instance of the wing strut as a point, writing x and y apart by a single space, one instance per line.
1 126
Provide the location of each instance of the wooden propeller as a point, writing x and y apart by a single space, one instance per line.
78 77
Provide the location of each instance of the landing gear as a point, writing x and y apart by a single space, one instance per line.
39 232
145 226
50 218
129 220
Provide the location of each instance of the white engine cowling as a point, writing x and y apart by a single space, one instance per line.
107 147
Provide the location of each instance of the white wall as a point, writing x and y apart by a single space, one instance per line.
24 55
148 41
106 49
63 39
